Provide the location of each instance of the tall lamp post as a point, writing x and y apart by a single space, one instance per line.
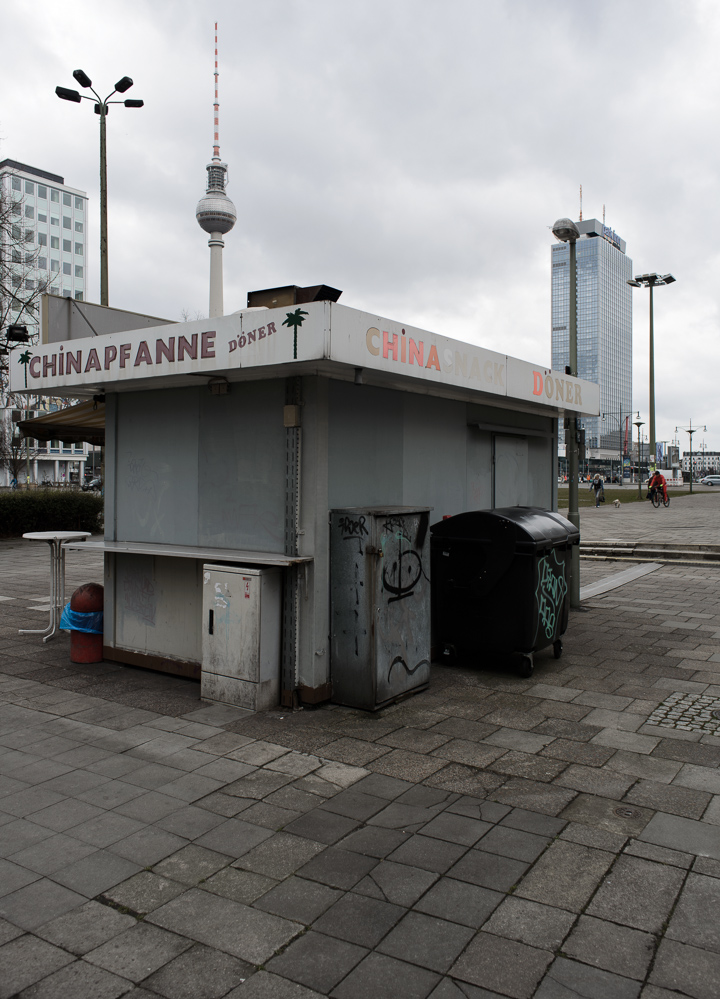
639 423
651 281
567 232
101 108
691 430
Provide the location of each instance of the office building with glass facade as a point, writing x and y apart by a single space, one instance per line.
604 325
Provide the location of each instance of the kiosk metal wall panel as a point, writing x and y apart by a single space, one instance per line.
156 492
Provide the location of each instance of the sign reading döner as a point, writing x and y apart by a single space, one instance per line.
320 331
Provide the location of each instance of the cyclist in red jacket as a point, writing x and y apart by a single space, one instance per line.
658 482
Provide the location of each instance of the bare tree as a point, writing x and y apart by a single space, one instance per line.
15 452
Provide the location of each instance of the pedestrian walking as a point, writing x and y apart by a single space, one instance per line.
599 487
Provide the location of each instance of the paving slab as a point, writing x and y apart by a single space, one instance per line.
385 977
317 961
532 923
687 970
83 929
606 945
683 834
36 903
511 968
567 979
198 973
232 927
27 960
81 981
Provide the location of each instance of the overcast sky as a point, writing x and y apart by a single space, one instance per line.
412 152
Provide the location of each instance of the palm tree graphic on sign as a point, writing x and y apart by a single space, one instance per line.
295 319
25 359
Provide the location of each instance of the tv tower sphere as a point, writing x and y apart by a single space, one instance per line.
216 212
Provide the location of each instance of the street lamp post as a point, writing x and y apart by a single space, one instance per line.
639 423
102 109
651 281
567 232
691 430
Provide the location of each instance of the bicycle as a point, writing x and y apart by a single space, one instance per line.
657 496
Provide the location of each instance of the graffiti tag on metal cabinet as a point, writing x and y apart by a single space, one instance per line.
351 527
550 593
399 660
402 565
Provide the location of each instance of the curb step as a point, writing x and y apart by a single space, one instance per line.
655 552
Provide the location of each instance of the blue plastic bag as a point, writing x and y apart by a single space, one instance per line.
72 620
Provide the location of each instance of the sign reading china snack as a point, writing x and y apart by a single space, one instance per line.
177 353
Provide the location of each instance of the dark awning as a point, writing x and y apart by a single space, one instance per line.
84 422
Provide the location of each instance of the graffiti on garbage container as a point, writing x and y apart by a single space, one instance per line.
550 593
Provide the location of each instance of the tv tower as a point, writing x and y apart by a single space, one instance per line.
215 212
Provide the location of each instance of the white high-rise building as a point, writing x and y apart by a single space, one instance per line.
43 248
48 232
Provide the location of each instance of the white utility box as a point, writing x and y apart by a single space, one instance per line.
241 636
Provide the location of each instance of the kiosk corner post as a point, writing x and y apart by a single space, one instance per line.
289 668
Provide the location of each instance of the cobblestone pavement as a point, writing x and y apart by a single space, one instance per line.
688 520
490 837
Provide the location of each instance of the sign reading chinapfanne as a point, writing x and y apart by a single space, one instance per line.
265 338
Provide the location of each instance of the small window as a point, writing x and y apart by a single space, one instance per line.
42 263
16 184
15 208
42 239
67 222
29 187
54 265
29 212
79 296
78 271
42 191
29 258
16 257
67 245
67 293
54 242
79 205
29 284
67 269
29 235
42 217
79 249
16 232
78 227
54 195
67 200
16 280
54 221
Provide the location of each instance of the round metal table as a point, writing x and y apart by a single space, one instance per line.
56 540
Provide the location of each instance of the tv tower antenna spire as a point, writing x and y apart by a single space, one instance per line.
215 212
216 106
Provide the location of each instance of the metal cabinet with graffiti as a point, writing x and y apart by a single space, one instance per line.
379 604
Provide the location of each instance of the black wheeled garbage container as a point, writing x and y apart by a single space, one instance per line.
500 583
